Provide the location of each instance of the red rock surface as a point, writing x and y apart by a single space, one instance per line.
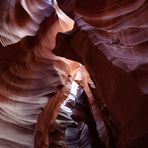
109 38
31 77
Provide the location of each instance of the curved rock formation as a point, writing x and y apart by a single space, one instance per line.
32 79
110 39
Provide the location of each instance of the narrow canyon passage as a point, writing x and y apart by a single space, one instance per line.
73 74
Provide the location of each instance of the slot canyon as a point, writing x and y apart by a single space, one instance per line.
73 74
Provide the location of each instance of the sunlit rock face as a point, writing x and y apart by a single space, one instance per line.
22 18
30 75
110 39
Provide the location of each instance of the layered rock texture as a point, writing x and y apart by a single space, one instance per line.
99 44
33 81
110 39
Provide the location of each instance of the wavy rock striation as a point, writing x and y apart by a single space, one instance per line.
110 39
31 77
